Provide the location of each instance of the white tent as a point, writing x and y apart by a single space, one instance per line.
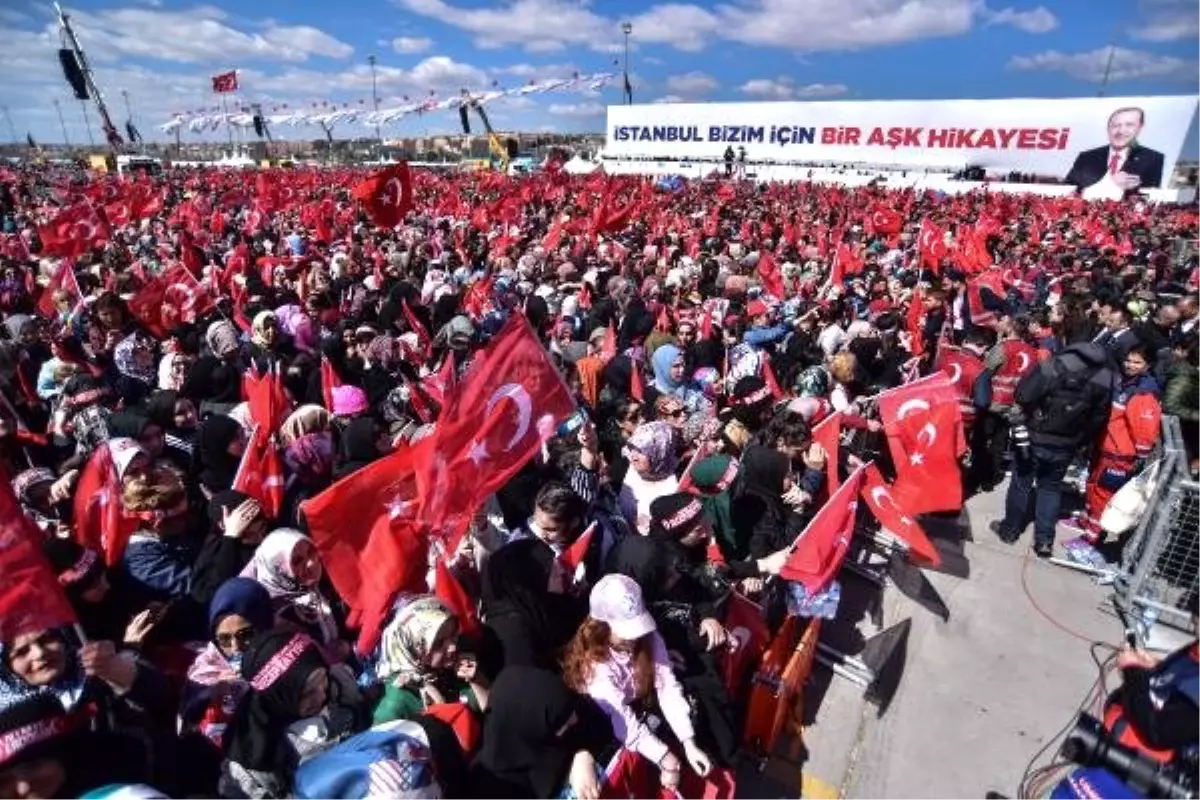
579 166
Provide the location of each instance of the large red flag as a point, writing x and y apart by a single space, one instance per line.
267 400
509 403
387 195
886 220
818 554
749 631
423 340
31 598
891 515
926 446
366 529
170 300
75 231
100 521
771 276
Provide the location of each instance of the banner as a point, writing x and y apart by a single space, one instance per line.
225 82
1070 139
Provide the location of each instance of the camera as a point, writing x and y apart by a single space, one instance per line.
1089 744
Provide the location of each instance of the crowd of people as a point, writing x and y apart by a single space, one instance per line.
703 333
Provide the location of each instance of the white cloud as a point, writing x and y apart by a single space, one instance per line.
1036 20
691 84
409 45
797 25
1167 20
199 35
1090 66
784 88
577 109
666 99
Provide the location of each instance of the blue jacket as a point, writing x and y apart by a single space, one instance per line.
760 337
162 567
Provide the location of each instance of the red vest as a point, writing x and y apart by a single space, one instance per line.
963 368
1019 359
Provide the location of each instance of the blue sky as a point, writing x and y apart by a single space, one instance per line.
303 51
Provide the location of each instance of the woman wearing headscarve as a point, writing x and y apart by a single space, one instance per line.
539 739
42 495
528 617
364 440
652 459
177 417
220 445
308 453
763 521
104 611
268 344
214 381
296 707
237 529
750 406
139 427
715 479
239 611
112 689
173 370
288 565
133 358
418 661
670 378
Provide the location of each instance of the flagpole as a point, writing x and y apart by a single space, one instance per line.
62 122
228 127
11 128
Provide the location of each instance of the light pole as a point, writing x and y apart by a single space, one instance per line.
63 123
627 28
375 98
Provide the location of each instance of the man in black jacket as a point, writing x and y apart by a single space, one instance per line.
1127 163
1062 404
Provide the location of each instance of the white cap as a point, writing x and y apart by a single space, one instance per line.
617 601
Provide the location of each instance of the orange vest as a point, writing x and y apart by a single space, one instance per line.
1019 359
1133 427
963 368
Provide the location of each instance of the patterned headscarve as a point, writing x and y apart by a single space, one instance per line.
409 637
127 363
272 567
656 441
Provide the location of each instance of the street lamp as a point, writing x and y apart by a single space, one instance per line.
627 28
375 98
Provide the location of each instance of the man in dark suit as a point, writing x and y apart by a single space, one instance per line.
1130 165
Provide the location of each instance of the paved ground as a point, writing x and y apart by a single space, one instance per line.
972 697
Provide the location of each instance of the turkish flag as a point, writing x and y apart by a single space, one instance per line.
891 515
268 401
329 382
576 554
913 323
450 591
828 434
75 231
31 598
818 553
367 530
63 278
931 245
387 195
442 384
509 403
170 300
145 202
260 474
926 445
423 340
100 521
749 635
886 221
769 273
118 212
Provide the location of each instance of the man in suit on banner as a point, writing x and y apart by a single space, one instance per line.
1122 162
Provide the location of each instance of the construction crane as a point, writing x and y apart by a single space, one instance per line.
469 101
79 75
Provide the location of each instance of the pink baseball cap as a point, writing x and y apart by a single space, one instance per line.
617 601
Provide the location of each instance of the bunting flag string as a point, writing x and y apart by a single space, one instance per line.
328 114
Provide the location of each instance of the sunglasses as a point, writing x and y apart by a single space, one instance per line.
240 637
674 413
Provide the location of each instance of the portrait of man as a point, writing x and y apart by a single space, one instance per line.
1126 163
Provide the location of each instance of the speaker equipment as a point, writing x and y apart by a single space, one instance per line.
511 146
73 73
462 117
258 125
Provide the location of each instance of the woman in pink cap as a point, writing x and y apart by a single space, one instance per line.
618 659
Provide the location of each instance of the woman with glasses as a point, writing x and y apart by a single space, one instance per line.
240 608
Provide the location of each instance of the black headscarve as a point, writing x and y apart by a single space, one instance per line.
276 664
522 755
217 467
357 447
128 423
531 623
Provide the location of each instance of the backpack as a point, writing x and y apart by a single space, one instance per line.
1063 399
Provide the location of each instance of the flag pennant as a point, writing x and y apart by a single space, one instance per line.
574 556
329 382
447 589
387 195
828 434
260 474
818 553
878 497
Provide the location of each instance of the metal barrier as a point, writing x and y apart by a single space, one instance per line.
1158 577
